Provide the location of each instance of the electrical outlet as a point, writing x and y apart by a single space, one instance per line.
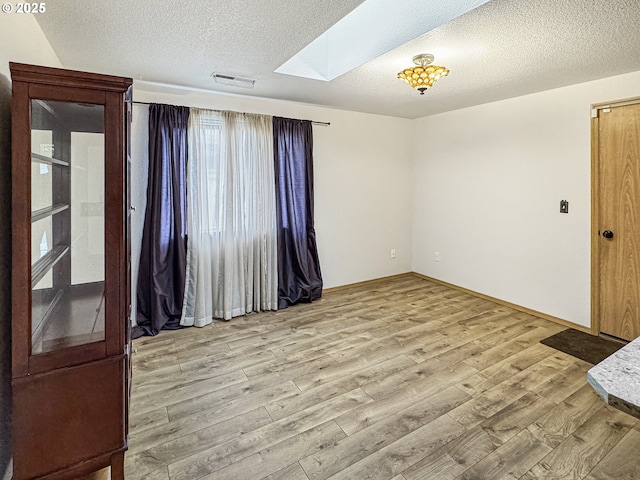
436 256
393 253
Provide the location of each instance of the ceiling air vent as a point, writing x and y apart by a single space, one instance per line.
233 81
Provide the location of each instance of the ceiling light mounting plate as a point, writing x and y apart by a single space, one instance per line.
423 59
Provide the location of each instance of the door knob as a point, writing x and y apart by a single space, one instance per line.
607 234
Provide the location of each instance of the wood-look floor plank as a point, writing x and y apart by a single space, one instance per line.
161 358
516 416
203 341
437 465
561 421
482 407
160 474
292 472
224 454
145 347
184 390
335 345
273 459
178 448
450 354
322 313
411 373
313 396
247 393
200 368
456 335
147 419
507 368
374 350
511 460
206 366
498 397
399 398
142 380
276 337
388 430
581 451
620 463
219 333
565 383
324 342
479 443
407 327
404 452
197 420
507 348
349 367
455 457
401 379
286 367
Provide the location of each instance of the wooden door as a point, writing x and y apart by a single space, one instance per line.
618 241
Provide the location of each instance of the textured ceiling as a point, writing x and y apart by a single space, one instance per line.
502 49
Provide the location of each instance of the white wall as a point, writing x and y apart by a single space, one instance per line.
487 189
362 168
22 41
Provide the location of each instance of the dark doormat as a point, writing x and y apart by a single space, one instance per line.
581 345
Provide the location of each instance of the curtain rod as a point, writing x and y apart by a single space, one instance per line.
313 122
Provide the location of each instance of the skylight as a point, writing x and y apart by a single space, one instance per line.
371 29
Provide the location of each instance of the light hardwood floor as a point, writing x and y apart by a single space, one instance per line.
402 379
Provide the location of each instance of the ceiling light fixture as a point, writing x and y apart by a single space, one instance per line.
424 75
233 81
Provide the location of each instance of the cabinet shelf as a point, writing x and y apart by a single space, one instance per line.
37 158
48 212
46 263
71 316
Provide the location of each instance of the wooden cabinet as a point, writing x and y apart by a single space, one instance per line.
70 272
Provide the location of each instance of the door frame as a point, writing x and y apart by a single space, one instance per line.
595 205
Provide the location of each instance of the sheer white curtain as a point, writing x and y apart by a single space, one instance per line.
232 237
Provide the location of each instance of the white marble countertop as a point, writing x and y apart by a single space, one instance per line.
617 378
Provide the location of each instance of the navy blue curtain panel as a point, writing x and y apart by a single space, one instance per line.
161 276
299 276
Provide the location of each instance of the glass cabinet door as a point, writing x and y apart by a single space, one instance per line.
67 225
